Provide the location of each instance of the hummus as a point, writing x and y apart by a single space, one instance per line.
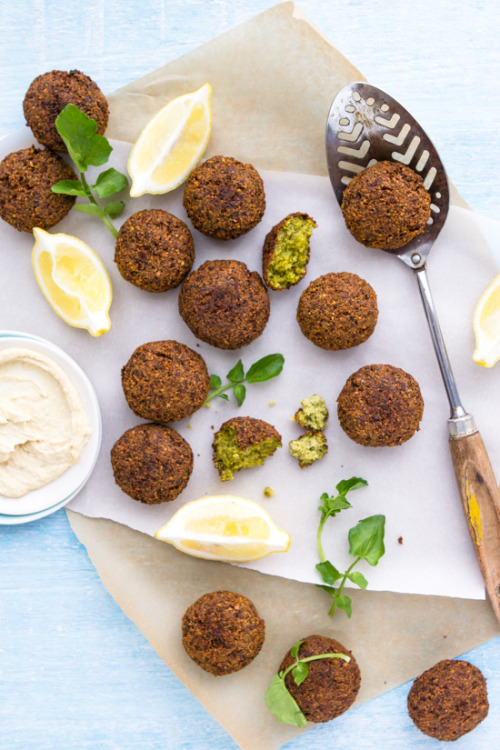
43 424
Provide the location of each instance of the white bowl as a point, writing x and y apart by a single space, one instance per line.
60 491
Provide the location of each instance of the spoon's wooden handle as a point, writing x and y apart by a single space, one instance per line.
481 502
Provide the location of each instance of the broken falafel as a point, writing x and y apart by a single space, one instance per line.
309 447
286 251
222 632
313 413
243 442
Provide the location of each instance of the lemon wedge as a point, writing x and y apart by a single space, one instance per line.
224 527
171 144
486 325
73 279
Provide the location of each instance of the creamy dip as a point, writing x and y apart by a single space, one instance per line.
43 424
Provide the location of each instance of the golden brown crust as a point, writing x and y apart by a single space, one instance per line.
154 250
26 197
250 431
224 304
337 311
152 463
331 685
386 205
380 405
165 381
448 700
222 632
50 92
224 198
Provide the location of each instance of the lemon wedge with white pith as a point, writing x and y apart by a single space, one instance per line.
224 527
73 279
486 325
171 144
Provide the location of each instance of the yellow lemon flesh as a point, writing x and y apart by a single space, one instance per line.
73 279
224 527
486 324
171 144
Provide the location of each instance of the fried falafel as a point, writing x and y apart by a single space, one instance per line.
224 303
380 405
154 250
386 205
152 463
337 311
50 92
448 700
313 413
310 447
331 685
222 632
286 251
243 442
26 197
165 381
224 198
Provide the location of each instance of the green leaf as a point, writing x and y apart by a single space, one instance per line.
224 396
240 392
329 590
344 603
347 485
215 381
366 539
300 672
114 208
70 187
79 133
294 651
266 368
333 505
282 705
89 208
328 572
358 579
236 373
110 182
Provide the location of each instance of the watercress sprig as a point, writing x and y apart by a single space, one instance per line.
278 698
264 369
86 147
366 542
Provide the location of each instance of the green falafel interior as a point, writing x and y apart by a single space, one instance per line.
289 260
230 458
313 414
308 448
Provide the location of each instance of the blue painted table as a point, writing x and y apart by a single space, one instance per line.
74 671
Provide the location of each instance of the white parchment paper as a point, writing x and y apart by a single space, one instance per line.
428 550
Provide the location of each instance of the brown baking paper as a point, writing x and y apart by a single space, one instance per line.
275 122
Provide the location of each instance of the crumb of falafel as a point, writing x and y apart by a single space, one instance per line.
286 251
268 492
222 632
313 414
241 443
386 205
309 447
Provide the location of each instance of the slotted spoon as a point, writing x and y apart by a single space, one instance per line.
366 125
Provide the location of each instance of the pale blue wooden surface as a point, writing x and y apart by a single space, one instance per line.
75 673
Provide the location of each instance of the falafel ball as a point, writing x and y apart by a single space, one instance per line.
380 405
224 198
224 303
154 250
386 205
243 442
26 198
331 685
448 700
222 632
50 92
152 463
286 251
337 311
165 381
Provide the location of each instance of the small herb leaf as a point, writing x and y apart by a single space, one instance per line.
329 590
266 368
110 182
347 485
300 672
240 392
329 572
215 381
114 208
358 579
79 133
344 603
294 651
89 208
237 373
282 705
70 187
366 539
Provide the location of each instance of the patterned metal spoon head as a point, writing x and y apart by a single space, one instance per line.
366 125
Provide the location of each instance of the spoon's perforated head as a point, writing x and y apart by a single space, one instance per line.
366 125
